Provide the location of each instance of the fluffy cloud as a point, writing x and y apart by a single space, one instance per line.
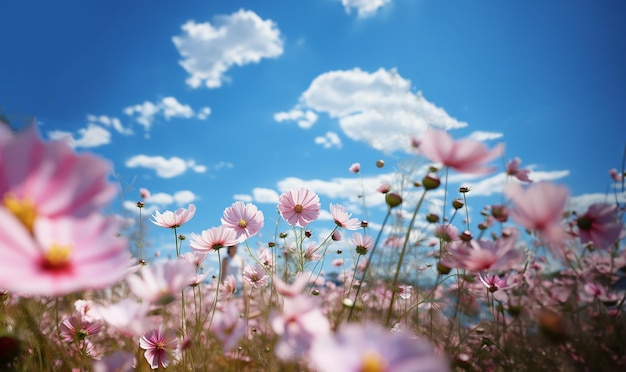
165 168
305 119
485 136
209 50
331 139
169 107
110 122
364 8
92 136
377 108
160 201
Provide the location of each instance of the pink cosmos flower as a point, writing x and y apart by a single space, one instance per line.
245 219
384 188
61 255
255 275
298 325
160 283
299 206
228 326
195 257
499 255
213 239
465 155
144 193
600 225
160 347
355 168
513 169
293 290
615 175
73 329
363 243
48 180
171 219
127 316
447 232
342 217
310 254
540 208
370 347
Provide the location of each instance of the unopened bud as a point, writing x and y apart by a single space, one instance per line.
432 218
466 236
380 163
364 224
457 204
307 233
431 182
464 189
282 235
271 244
392 199
140 204
443 269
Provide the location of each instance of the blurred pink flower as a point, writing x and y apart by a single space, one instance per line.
294 289
355 168
245 219
384 188
370 347
74 329
195 257
600 225
213 239
127 316
447 232
298 325
465 155
363 243
160 283
119 361
228 326
342 217
540 208
299 206
513 169
499 255
144 193
310 254
160 347
62 255
48 180
171 219
615 175
255 275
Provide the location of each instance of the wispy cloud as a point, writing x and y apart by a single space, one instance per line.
378 108
165 168
305 119
330 139
485 136
161 201
364 8
209 50
146 113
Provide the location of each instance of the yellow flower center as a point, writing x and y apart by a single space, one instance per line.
372 362
298 208
57 257
243 223
23 209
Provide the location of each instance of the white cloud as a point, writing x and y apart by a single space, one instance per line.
223 164
111 122
145 114
364 8
165 168
377 108
92 136
209 50
331 139
161 201
243 197
263 195
305 119
485 136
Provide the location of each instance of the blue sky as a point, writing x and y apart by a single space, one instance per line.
215 101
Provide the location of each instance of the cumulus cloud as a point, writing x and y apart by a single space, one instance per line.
580 203
92 136
210 49
146 113
364 8
110 122
331 139
485 136
378 108
263 195
161 201
165 168
305 119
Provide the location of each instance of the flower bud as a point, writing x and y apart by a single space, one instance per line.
443 269
466 236
380 163
307 233
464 189
392 199
282 235
500 213
431 182
457 204
364 224
432 218
140 204
271 244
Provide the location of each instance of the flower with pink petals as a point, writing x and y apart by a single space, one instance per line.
615 175
48 180
384 188
228 326
298 325
255 275
74 329
299 206
499 255
310 254
540 208
513 169
144 193
363 243
370 347
465 155
245 219
600 225
161 283
195 257
294 289
127 316
355 168
213 239
161 347
342 217
61 255
174 219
